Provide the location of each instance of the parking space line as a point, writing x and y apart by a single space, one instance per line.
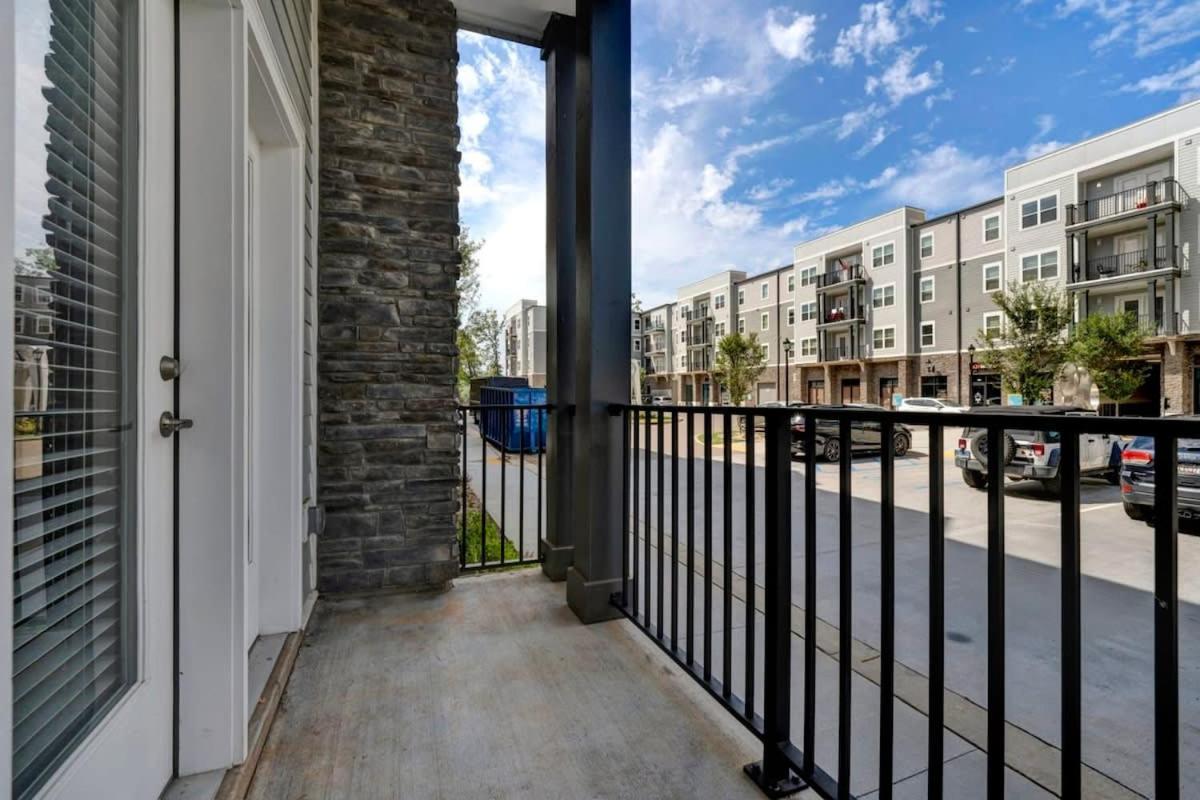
1098 508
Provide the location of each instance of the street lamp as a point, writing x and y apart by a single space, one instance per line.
787 374
971 370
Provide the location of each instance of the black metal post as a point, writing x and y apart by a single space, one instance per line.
996 637
1166 618
937 610
1072 663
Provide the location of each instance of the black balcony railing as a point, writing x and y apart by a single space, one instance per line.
505 432
1153 193
673 591
842 314
840 352
841 273
1130 263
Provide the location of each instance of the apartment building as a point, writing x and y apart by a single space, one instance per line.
705 311
766 309
525 342
658 348
1114 221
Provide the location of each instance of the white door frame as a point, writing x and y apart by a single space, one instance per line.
129 751
228 68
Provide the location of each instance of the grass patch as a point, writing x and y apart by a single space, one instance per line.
478 544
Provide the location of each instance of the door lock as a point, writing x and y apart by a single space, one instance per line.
169 424
168 368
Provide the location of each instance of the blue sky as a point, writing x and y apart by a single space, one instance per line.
760 124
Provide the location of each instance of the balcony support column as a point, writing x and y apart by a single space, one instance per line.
1151 237
1151 296
1168 322
1169 240
602 289
1082 263
558 51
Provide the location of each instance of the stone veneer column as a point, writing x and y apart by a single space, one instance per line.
387 440
1177 378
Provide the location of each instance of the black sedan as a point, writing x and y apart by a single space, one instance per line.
1137 478
864 436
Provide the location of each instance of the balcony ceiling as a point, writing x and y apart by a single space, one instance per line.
520 20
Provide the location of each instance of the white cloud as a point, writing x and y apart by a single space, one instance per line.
1184 78
944 96
858 119
842 187
876 139
928 11
946 177
1044 124
971 29
770 190
899 81
875 31
792 40
1152 25
1038 149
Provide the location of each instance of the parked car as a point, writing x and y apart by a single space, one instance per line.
1137 478
864 436
660 400
1033 454
927 404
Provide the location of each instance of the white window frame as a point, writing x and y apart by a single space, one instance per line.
719 329
883 295
883 336
741 324
808 275
764 290
791 315
808 311
928 279
45 327
791 284
921 244
1039 212
719 301
19 325
932 328
765 321
994 315
999 227
1040 254
766 349
741 297
999 265
883 256
637 324
637 345
19 294
43 297
808 346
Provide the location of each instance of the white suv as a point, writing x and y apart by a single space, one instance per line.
927 404
1033 454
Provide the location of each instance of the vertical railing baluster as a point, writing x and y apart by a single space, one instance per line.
691 537
887 607
1166 617
674 531
1072 663
483 512
751 556
636 460
524 419
937 610
996 446
810 593
647 556
845 600
773 774
504 448
727 559
625 495
540 442
662 523
708 531
462 544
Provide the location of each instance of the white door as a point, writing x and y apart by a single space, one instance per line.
1133 192
92 481
253 217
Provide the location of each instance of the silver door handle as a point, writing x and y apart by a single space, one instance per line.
169 424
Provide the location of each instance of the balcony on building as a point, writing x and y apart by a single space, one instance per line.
844 269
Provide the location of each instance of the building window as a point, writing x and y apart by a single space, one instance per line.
765 321
935 386
1040 211
43 297
766 348
19 325
1039 266
19 293
926 245
637 345
991 228
808 276
883 254
741 324
808 347
927 338
44 326
719 302
637 324
791 315
791 283
808 311
926 290
883 296
741 297
764 290
884 338
991 277
992 323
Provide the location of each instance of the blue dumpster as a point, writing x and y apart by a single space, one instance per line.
512 429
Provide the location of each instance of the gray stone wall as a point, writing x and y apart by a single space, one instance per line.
387 443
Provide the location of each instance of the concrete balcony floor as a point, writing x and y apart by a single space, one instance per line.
493 690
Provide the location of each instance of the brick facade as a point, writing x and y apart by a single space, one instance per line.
387 439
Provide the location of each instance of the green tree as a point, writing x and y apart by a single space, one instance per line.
1108 346
1031 348
486 331
470 359
738 363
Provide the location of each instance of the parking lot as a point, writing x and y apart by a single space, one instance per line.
1117 600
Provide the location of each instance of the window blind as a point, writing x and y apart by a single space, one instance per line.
73 438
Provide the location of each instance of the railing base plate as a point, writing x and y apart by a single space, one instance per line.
782 788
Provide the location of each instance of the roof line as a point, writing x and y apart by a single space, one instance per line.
967 210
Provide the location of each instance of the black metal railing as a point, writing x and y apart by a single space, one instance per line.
1153 193
841 274
505 432
1131 263
842 352
844 315
690 551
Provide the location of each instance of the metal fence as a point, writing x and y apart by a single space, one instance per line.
505 432
652 583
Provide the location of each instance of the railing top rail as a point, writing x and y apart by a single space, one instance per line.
1184 427
505 407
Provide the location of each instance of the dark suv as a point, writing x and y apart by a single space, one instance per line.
864 436
1137 478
